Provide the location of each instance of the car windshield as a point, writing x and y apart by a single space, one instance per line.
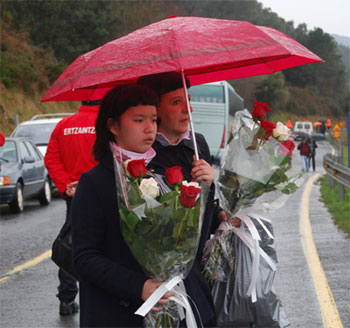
8 152
38 133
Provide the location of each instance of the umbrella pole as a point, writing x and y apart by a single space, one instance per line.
190 115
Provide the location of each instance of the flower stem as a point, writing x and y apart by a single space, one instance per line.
181 227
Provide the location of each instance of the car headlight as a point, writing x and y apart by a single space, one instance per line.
5 181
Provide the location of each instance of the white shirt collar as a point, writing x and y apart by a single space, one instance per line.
164 141
123 154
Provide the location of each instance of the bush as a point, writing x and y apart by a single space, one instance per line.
339 209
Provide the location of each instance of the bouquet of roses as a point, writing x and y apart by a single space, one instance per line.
251 166
161 223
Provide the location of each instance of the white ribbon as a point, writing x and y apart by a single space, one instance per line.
251 240
180 298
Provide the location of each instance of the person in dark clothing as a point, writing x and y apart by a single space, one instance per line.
304 154
174 147
312 147
68 155
112 283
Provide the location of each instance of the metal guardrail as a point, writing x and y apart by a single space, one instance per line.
337 172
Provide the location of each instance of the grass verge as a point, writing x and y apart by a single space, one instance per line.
340 209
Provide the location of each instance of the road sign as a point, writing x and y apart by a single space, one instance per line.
336 127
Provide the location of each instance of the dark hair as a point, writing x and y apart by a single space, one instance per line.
113 105
163 82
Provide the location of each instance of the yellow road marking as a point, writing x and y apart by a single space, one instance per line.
329 311
26 265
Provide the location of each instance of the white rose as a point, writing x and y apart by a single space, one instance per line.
149 187
281 132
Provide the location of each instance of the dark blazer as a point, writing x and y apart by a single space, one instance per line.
110 279
182 155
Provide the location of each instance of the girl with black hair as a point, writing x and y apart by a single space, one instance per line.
112 283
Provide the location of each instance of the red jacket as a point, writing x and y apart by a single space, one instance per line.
287 147
69 152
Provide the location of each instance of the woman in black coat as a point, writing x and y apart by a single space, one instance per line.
174 147
112 283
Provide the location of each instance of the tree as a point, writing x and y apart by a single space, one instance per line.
272 90
69 27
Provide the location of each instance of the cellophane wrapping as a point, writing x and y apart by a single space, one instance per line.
240 277
162 235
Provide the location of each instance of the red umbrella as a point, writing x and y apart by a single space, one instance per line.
205 49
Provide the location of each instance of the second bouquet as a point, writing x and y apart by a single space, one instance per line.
161 220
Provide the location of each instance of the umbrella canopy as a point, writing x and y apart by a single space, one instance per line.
316 123
206 49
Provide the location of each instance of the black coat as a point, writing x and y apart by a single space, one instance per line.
182 155
110 279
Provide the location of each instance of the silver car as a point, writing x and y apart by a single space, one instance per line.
22 174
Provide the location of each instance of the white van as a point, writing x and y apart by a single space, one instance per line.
305 127
213 104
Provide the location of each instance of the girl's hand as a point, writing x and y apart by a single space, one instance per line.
202 171
149 287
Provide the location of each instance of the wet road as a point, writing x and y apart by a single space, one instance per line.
27 298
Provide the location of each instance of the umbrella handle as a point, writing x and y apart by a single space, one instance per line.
190 115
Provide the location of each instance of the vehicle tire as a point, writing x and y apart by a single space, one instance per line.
46 193
16 206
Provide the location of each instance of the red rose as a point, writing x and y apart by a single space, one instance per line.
260 110
137 168
188 196
268 127
174 175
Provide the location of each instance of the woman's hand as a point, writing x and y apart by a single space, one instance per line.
149 287
234 221
202 171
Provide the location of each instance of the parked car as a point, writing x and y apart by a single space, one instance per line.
303 127
39 129
22 174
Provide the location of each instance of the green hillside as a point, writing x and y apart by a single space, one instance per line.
37 44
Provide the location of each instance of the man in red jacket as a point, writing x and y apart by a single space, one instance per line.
68 155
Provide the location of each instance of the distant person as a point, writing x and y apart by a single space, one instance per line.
312 148
286 149
304 154
2 139
69 154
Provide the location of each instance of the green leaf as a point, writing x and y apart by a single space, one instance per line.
127 233
168 196
134 194
144 228
131 220
283 160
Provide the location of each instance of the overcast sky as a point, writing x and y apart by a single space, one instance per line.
333 16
